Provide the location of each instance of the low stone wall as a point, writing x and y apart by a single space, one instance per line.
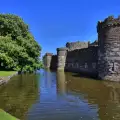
4 80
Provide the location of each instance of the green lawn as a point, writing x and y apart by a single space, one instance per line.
6 73
6 116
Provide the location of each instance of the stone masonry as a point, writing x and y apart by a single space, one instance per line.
109 49
100 58
47 60
61 54
76 45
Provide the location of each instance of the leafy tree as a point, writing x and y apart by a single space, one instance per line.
18 48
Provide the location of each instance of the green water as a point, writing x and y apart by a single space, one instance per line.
50 95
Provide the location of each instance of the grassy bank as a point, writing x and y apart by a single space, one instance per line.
6 73
6 116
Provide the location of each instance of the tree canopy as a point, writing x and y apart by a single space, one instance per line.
18 48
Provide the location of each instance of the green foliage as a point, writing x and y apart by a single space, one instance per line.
18 48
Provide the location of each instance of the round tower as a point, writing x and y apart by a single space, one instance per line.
47 60
109 49
61 54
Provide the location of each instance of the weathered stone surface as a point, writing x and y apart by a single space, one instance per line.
61 54
47 60
82 60
101 57
76 45
109 49
4 80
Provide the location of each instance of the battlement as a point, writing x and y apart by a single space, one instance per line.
76 45
48 54
95 43
54 55
62 49
108 22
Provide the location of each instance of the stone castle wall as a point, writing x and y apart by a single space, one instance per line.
82 60
101 58
109 49
53 65
79 60
76 45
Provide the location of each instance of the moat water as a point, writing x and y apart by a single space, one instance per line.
50 95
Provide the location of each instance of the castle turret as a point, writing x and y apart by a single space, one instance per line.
47 60
61 54
109 49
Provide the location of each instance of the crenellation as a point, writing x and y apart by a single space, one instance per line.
76 45
109 48
108 22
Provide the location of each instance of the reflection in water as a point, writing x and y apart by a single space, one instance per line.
105 94
52 107
19 94
112 103
60 96
61 84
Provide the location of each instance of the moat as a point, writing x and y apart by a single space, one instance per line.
49 95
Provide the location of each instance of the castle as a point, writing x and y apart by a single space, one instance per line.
100 58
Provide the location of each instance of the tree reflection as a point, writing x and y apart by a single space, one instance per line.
19 94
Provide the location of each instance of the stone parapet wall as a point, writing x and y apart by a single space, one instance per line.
76 45
95 43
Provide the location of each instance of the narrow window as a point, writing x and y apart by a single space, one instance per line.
113 68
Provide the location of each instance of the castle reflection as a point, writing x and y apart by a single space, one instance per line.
105 94
61 83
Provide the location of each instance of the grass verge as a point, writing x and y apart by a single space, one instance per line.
6 73
6 116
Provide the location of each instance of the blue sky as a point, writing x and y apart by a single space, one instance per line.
55 22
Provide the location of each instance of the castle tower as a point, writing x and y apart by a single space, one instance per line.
109 49
61 54
47 60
